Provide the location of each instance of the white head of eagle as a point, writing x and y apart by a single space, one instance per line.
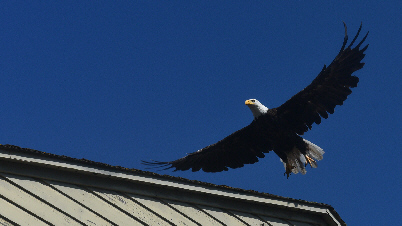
256 107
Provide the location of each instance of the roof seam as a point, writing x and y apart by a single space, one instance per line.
145 207
233 215
112 204
178 211
208 214
21 207
8 220
79 203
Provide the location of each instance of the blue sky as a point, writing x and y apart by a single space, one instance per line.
120 82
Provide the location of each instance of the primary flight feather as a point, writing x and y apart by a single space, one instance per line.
279 129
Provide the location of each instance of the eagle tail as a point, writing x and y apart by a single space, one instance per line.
296 161
313 151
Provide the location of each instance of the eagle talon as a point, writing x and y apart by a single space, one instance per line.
309 161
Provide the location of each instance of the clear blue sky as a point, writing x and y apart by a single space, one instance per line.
120 82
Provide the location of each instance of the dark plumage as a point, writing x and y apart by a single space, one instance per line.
279 129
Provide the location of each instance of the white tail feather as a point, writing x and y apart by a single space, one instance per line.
313 151
297 160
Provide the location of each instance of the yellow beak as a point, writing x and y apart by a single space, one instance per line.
248 102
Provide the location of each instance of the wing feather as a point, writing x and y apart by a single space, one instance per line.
244 146
330 88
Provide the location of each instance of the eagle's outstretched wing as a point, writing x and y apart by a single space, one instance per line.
239 148
330 88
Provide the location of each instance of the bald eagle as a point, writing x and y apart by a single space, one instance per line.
280 129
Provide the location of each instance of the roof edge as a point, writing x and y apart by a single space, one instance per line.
32 156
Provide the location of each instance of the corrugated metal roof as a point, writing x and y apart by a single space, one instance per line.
40 188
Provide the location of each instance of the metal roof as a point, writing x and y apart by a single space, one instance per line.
41 188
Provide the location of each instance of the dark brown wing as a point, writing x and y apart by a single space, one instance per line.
330 88
239 148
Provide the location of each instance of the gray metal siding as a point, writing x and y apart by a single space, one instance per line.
33 201
38 188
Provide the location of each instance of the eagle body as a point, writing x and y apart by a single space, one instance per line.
280 129
291 148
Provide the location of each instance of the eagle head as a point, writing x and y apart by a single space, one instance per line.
256 107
